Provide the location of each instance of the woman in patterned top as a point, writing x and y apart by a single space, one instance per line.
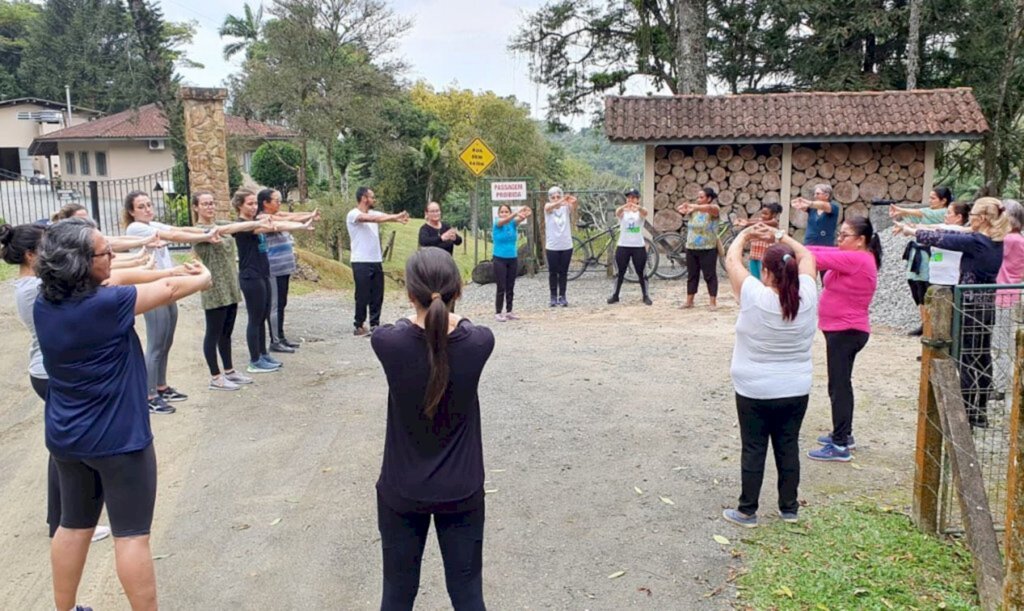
701 245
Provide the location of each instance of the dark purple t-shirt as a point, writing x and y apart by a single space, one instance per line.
432 464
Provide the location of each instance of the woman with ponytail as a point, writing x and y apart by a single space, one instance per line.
851 277
982 249
433 457
771 364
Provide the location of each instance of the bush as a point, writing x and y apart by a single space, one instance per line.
176 211
235 178
275 165
331 233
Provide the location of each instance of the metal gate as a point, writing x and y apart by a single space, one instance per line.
27 200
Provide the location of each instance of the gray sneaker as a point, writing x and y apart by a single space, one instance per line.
238 378
789 517
739 518
222 383
157 405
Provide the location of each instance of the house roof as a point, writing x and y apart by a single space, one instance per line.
149 123
923 114
48 104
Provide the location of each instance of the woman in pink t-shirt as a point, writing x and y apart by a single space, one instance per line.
851 276
1008 307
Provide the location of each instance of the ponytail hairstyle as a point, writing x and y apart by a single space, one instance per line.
992 209
862 227
780 260
961 209
262 198
712 196
16 242
433 281
67 211
945 194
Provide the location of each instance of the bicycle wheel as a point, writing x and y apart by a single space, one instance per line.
581 258
652 263
672 255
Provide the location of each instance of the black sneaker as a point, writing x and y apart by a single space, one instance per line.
553 302
157 405
169 394
647 300
613 299
281 347
917 332
289 343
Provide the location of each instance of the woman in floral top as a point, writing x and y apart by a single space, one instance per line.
701 245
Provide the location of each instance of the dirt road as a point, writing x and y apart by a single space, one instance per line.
266 496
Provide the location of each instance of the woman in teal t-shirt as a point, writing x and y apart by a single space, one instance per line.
915 255
506 263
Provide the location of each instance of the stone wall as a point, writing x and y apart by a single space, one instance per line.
206 139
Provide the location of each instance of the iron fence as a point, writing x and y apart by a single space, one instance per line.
986 319
26 200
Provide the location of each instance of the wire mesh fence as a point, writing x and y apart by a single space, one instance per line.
985 322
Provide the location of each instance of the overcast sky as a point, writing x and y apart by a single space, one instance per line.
452 41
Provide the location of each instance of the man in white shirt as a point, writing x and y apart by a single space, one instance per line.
367 270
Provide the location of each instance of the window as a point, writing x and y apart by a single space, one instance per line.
83 163
69 163
101 164
247 162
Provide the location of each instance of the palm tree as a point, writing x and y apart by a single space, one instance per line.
246 29
431 161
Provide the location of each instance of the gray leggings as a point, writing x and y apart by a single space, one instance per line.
160 325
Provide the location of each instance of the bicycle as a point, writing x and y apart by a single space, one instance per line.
672 247
595 250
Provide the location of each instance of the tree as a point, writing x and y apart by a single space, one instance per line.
584 48
276 165
914 44
431 162
246 29
15 19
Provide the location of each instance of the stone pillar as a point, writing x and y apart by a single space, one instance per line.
206 141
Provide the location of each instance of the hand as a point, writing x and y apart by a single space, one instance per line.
152 240
800 203
213 237
266 221
316 214
524 213
308 225
761 231
402 217
897 228
158 243
570 200
684 208
149 262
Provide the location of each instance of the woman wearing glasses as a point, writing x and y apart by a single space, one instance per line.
851 276
436 232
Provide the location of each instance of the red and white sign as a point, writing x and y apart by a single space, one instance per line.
508 191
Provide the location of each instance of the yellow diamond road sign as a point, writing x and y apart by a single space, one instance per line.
477 157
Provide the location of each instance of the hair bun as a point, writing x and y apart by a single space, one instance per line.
6 234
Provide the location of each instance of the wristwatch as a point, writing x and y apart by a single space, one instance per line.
779 234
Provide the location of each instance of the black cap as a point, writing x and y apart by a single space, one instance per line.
632 193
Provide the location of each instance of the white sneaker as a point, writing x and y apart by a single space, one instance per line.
500 317
511 316
237 378
222 383
101 533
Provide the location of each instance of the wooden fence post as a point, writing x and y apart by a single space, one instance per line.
1013 587
935 342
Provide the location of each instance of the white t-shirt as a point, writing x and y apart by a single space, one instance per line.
365 238
558 229
26 289
161 255
772 357
631 229
944 267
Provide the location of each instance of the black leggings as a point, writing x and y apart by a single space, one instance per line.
777 420
220 323
701 262
976 354
918 289
278 301
403 536
841 348
558 271
623 256
505 271
39 385
257 305
126 481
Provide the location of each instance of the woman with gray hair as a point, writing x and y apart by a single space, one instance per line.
1009 312
97 415
558 213
822 216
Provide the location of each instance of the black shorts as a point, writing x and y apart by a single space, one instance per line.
127 482
918 288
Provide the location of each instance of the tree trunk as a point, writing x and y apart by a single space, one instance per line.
914 44
330 165
995 177
691 54
303 181
430 187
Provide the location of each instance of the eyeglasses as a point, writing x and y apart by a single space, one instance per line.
843 236
109 252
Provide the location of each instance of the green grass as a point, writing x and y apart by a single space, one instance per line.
407 241
7 271
853 557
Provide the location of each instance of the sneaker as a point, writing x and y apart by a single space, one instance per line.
222 383
260 367
157 405
647 300
789 517
81 608
562 302
101 533
289 343
739 518
613 299
281 347
511 316
553 302
500 317
830 453
825 440
917 332
238 378
360 331
170 395
373 328
266 358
